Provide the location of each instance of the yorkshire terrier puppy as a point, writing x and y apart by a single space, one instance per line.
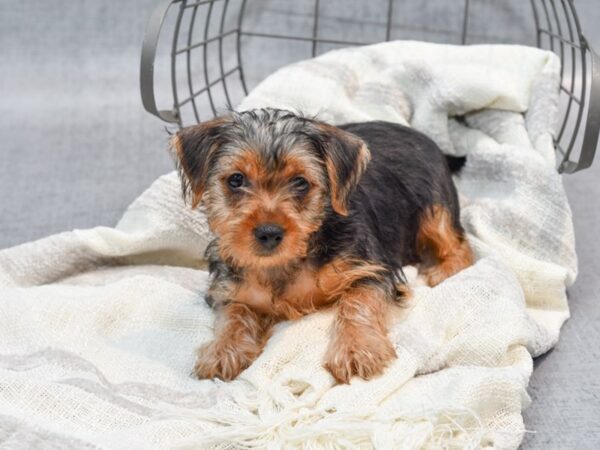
307 216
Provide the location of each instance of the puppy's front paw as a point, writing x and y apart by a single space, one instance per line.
223 360
352 354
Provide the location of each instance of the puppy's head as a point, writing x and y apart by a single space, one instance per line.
266 178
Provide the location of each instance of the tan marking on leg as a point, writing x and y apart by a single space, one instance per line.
443 249
360 345
240 337
340 274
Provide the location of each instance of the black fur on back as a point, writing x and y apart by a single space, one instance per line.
407 174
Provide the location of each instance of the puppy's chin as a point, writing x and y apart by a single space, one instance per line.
258 259
271 260
275 258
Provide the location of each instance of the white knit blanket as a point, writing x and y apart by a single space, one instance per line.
98 327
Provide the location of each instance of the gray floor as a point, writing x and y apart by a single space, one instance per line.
76 148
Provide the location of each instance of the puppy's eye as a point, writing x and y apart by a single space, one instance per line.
300 185
236 180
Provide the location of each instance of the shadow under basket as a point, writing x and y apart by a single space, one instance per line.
209 50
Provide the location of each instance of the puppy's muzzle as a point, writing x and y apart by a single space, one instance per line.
268 236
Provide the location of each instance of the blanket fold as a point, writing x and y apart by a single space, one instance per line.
98 327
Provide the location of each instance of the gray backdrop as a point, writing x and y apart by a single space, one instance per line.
76 148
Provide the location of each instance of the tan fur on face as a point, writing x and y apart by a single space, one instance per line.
267 199
444 251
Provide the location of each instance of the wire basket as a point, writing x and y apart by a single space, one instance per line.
215 49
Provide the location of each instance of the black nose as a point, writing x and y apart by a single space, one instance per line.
268 235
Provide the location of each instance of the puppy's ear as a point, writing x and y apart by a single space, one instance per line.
194 149
346 157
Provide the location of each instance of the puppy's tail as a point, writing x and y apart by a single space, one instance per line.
455 163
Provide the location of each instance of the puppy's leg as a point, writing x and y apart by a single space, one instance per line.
240 337
441 246
360 345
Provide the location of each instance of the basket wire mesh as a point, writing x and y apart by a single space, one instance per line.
210 40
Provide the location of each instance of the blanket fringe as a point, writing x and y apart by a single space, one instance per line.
312 429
